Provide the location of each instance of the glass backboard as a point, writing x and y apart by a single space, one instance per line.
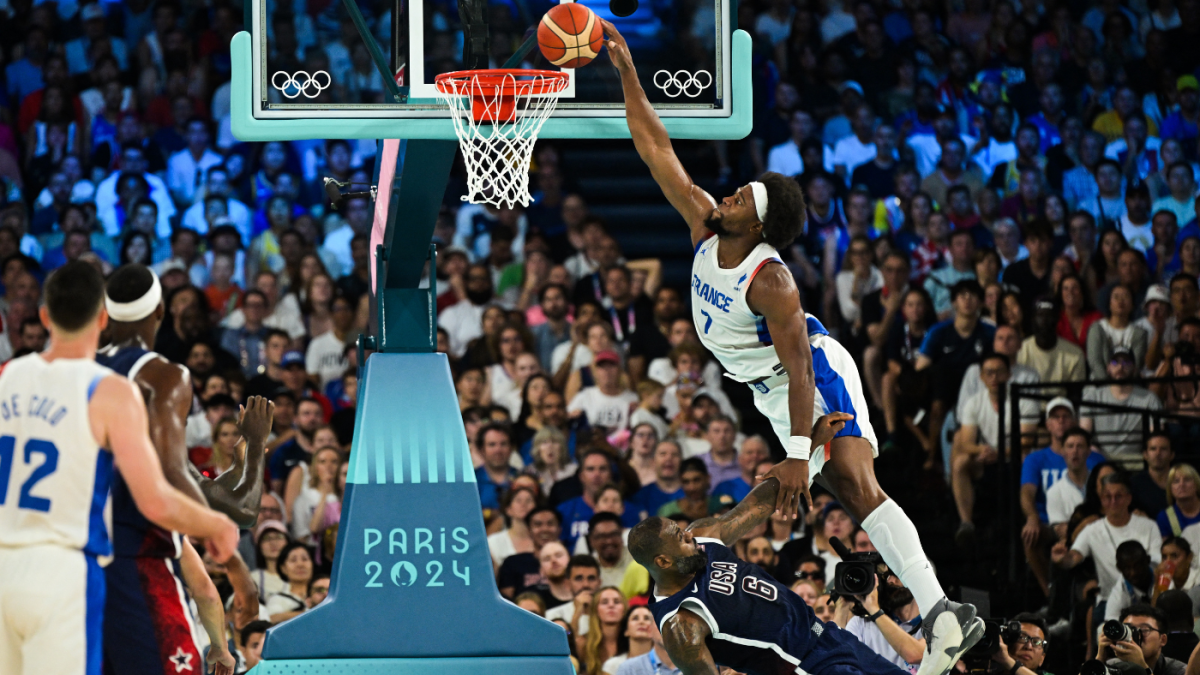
317 71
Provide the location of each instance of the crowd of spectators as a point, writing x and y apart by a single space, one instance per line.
998 194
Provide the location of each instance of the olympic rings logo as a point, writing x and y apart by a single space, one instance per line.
301 82
683 82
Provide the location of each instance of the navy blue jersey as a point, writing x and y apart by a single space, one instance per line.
759 627
133 535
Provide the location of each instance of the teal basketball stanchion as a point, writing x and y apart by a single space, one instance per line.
412 589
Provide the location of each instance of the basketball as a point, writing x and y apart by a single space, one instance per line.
570 35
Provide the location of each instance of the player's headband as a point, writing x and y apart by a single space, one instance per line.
139 309
760 200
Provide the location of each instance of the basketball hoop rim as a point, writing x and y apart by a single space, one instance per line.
502 81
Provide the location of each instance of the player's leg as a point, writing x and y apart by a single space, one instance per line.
148 624
964 471
56 611
849 469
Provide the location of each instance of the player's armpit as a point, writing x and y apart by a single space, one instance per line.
683 636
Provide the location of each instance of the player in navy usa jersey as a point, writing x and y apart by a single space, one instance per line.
716 610
747 311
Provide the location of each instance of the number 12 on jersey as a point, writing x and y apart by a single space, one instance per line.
49 464
723 579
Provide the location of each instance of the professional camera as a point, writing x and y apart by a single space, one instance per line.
979 657
1116 631
855 575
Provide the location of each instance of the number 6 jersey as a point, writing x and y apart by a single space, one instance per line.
54 476
758 625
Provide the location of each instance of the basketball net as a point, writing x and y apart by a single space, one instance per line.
497 116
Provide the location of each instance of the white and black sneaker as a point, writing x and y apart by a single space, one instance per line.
950 630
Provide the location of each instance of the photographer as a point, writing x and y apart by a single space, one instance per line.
886 620
1127 657
1028 651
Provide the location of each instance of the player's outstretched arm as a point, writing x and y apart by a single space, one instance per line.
683 636
118 418
209 607
654 145
238 492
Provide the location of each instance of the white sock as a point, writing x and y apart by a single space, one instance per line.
896 539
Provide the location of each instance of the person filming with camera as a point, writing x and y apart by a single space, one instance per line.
1139 650
1027 651
886 620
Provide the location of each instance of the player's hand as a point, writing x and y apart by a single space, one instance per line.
793 485
828 426
224 544
221 661
618 51
256 419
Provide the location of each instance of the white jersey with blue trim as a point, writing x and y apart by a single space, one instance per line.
54 476
727 326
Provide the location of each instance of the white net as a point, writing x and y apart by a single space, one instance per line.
497 116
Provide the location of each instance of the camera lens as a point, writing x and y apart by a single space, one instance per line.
1093 667
1116 631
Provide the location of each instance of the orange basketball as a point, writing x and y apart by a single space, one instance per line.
570 35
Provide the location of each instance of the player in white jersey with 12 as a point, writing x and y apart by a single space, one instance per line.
65 423
747 312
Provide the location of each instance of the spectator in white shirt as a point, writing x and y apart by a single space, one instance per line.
785 158
133 160
608 403
217 186
463 321
185 169
1099 540
857 148
1068 492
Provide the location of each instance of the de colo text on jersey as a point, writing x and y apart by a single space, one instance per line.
711 295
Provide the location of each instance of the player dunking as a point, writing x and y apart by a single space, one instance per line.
150 624
747 313
64 422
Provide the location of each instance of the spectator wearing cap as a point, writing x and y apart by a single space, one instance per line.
949 348
607 404
1054 359
270 538
294 375
1118 433
185 169
1182 200
1181 124
1100 539
217 186
1042 468
80 50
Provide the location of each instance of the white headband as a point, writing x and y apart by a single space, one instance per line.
137 309
760 200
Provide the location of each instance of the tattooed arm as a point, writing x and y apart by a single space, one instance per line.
758 505
683 636
748 514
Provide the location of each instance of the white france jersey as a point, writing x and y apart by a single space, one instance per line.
727 327
54 476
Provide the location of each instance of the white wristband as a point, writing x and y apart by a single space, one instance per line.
799 447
